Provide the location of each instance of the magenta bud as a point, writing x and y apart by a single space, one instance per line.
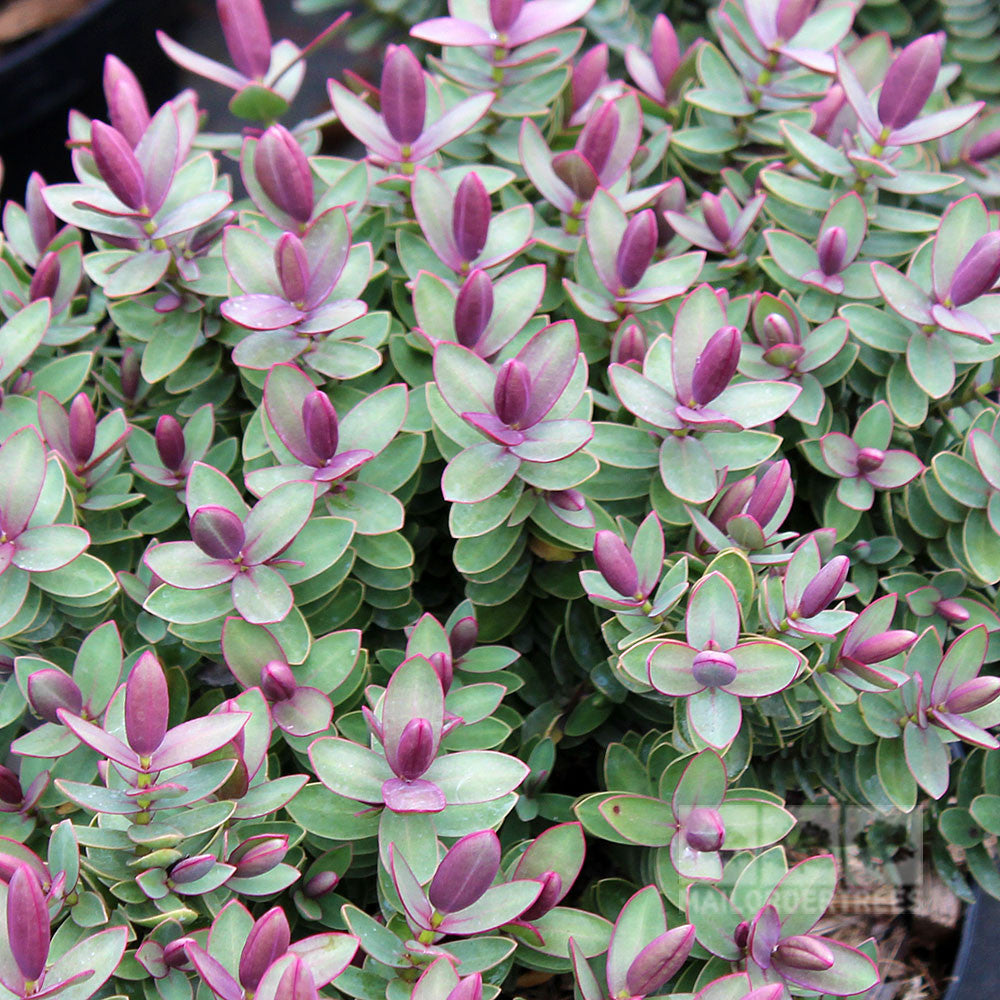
975 693
550 895
463 636
588 74
659 961
791 15
824 587
22 384
985 147
10 787
147 704
319 419
635 252
267 941
741 935
170 445
277 682
217 531
50 690
473 308
665 50
827 108
734 498
615 563
503 14
598 136
189 870
292 265
804 951
257 855
6 666
45 280
629 344
127 106
832 249
567 499
716 365
470 221
777 331
175 956
468 988
575 171
713 668
909 82
117 165
441 662
296 982
82 427
403 94
769 492
248 38
978 271
883 646
27 923
416 749
715 217
512 391
704 829
466 871
320 885
870 459
41 220
283 172
673 198
952 611
129 375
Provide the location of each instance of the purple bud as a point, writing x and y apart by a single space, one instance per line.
50 690
567 499
189 870
598 136
715 217
978 271
22 384
247 35
588 74
673 198
296 982
986 147
550 895
147 704
716 365
776 331
791 15
175 956
615 563
909 82
267 941
952 611
292 265
468 988
170 445
870 459
769 492
277 682
512 391
473 308
129 373
319 419
824 587
827 108
258 854
320 885
665 50
117 165
41 220
10 787
659 961
741 935
470 221
576 172
629 344
416 749
82 427
883 646
463 636
832 249
27 923
635 253
6 666
975 693
734 498
403 94
218 532
441 662
283 171
503 13
804 951
127 106
466 871
704 829
713 668
45 280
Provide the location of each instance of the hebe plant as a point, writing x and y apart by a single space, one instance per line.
674 373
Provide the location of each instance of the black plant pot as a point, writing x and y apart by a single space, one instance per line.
977 965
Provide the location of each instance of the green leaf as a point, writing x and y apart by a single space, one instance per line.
752 824
894 774
349 769
687 469
478 473
476 775
640 819
927 759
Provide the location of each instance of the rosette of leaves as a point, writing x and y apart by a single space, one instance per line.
943 601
